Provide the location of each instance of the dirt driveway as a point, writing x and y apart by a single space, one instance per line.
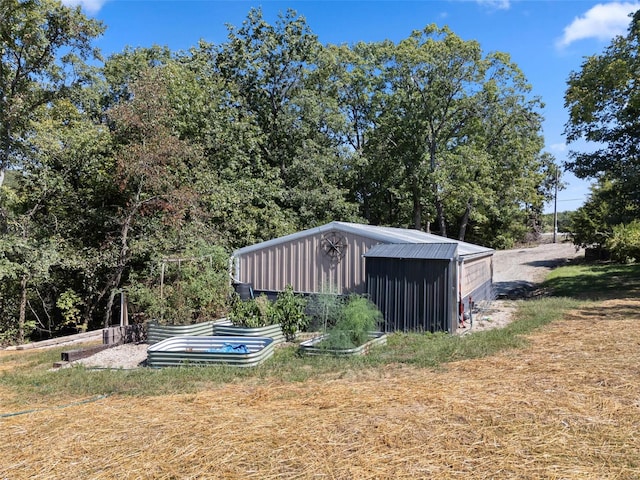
516 273
518 270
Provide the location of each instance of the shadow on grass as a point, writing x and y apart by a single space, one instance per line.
586 281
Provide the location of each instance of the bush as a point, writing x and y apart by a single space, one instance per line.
193 290
253 313
624 243
325 310
357 317
289 312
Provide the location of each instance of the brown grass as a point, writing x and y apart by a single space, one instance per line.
567 407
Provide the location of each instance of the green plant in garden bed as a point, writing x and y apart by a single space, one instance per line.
252 313
356 318
288 311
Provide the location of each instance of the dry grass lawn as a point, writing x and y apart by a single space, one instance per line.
566 407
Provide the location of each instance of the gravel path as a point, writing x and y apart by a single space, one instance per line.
515 274
517 271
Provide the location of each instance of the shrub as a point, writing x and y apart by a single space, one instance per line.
252 313
357 317
289 311
325 310
624 243
191 291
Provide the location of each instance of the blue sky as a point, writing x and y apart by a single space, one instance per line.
546 39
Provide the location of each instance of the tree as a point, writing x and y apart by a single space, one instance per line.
273 69
55 217
603 100
42 45
593 222
452 121
154 169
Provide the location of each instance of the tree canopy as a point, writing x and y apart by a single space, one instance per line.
603 100
157 155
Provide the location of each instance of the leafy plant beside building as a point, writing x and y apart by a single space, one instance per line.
356 319
288 310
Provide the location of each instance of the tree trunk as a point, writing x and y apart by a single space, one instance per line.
465 220
440 214
23 309
112 295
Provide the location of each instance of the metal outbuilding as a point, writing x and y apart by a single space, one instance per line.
413 285
335 257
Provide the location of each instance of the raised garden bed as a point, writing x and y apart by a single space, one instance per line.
210 350
270 331
314 346
157 333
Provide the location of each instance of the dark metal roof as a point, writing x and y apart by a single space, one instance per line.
425 251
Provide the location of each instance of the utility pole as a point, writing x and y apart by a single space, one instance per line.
555 208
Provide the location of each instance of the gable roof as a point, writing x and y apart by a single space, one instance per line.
381 234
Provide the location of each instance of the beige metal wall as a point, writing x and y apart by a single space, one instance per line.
304 264
475 273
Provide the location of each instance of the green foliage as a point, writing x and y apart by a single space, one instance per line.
564 222
624 242
252 313
324 309
42 45
356 318
181 291
593 222
68 303
603 99
289 311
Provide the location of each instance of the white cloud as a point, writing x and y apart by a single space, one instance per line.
89 6
603 21
558 147
497 4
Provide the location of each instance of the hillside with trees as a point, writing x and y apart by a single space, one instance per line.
155 163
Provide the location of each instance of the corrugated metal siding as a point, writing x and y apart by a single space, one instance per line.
475 273
413 295
484 293
303 264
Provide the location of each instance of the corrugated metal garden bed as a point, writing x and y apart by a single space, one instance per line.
210 350
270 331
312 346
158 333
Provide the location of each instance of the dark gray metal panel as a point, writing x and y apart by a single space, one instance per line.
484 293
413 295
430 251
